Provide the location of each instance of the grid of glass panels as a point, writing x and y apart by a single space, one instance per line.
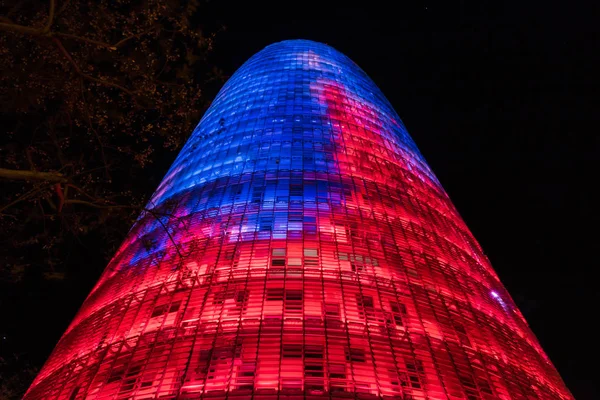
299 247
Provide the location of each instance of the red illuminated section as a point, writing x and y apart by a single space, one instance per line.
317 257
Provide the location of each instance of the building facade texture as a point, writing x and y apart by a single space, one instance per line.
299 247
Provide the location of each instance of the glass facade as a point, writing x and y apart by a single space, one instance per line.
299 247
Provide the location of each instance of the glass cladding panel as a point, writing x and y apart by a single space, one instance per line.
299 246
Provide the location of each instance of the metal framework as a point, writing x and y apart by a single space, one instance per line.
299 247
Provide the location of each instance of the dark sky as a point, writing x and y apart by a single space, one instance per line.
501 99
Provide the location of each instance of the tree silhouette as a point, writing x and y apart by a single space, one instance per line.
92 90
91 94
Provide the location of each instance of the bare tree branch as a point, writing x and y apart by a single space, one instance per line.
26 196
82 191
104 44
168 233
100 43
7 25
21 175
125 40
91 41
50 17
11 27
95 205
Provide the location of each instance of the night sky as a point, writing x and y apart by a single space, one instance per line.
502 101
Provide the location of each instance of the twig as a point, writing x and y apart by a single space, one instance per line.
30 159
63 7
61 196
85 76
10 27
50 17
50 202
104 44
123 41
168 233
87 171
24 197
91 41
89 120
82 191
90 204
96 205
52 135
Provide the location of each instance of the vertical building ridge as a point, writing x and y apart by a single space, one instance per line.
299 247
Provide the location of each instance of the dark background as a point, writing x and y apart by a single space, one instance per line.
501 99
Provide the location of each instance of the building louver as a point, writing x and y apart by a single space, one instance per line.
299 247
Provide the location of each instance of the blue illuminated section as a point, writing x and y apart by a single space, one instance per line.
274 101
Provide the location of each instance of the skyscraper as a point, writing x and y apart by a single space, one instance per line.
299 247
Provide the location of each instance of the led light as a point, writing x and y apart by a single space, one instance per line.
300 247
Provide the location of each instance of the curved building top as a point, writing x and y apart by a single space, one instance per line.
286 87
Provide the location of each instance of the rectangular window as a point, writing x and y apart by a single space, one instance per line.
116 374
367 301
278 252
293 295
310 253
313 370
414 369
313 352
484 386
292 350
247 369
275 294
398 311
241 297
365 306
291 384
332 310
175 306
462 334
293 302
337 371
222 296
356 355
159 310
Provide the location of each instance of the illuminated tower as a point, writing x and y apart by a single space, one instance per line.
299 247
